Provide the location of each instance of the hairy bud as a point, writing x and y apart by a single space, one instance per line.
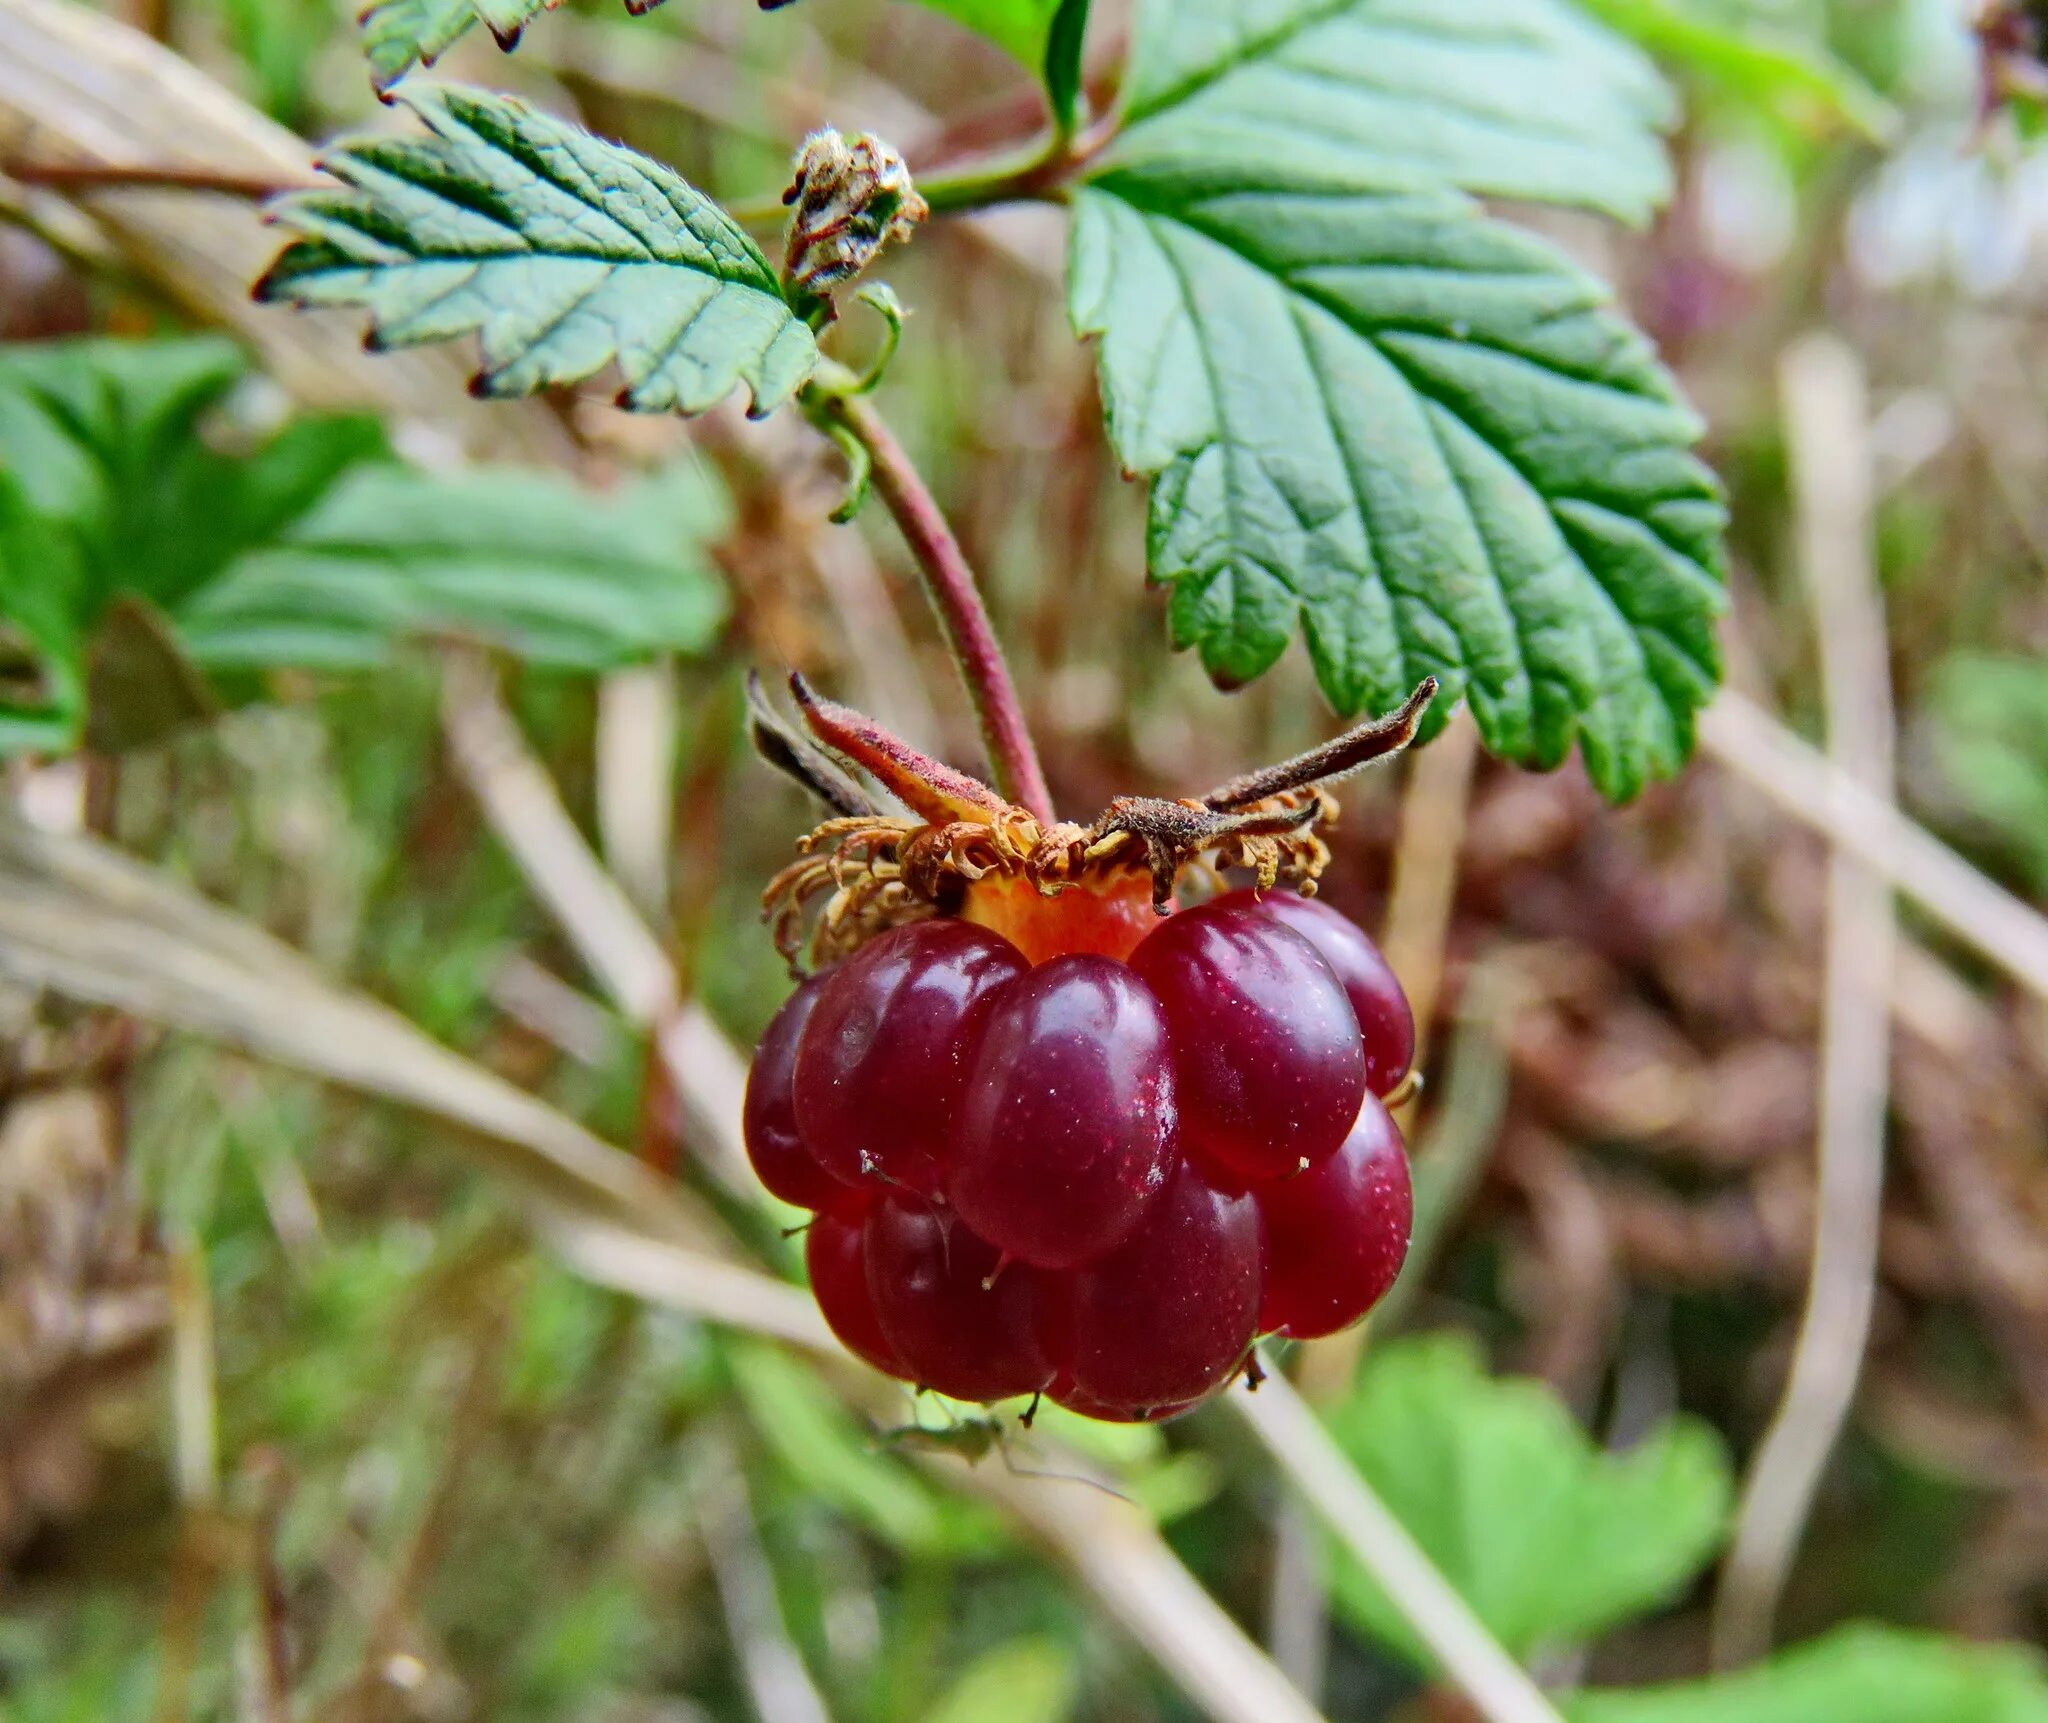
849 199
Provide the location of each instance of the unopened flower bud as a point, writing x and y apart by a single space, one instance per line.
849 199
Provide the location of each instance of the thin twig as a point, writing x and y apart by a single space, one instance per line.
779 1685
950 583
92 176
194 1420
637 728
519 800
1497 1687
1805 784
1827 415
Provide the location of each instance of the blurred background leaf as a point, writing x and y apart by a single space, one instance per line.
1868 1674
1550 1540
311 547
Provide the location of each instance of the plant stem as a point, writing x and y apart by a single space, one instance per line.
950 584
96 176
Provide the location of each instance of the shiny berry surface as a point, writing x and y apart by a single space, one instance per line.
882 1062
1051 1169
1336 1235
774 1144
1066 1130
1385 1022
1167 1316
835 1254
957 1324
1267 1053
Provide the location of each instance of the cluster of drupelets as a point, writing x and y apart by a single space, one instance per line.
1093 1179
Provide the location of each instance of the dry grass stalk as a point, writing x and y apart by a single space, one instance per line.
1827 413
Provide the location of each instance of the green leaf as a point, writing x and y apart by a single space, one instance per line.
1510 98
1854 1675
142 533
833 1458
524 561
1759 60
113 440
1988 730
1065 41
561 252
1550 1540
42 669
1026 1681
1021 28
401 34
1418 434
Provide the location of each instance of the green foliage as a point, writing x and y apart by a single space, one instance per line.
1026 1681
1855 1675
42 658
1509 98
561 252
1760 61
526 561
1372 412
839 1463
1989 736
1065 44
1021 28
142 532
401 34
1550 1540
1415 432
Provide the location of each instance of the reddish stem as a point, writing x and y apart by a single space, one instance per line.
949 582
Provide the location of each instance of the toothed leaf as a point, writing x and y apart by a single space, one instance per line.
1509 98
401 34
561 252
1419 436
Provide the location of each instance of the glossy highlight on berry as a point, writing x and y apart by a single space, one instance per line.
1067 1130
883 1060
1270 1064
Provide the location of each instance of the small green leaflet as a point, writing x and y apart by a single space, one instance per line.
1854 1675
401 34
1550 1540
561 252
1508 98
1417 433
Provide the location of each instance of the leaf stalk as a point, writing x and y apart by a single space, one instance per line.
949 583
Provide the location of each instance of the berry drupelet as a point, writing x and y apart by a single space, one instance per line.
1060 1134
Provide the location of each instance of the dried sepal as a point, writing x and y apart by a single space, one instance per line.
849 198
857 876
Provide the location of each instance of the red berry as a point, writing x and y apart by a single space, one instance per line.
774 1144
1336 1235
1168 1315
835 1253
1384 1019
1066 1129
1075 1401
883 1060
959 1326
1267 1054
